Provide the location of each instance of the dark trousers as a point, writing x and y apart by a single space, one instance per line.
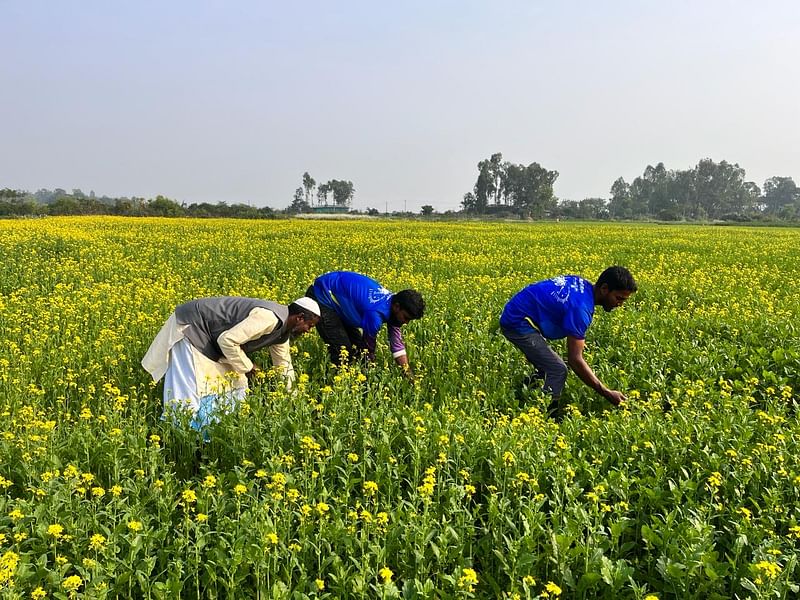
337 335
549 366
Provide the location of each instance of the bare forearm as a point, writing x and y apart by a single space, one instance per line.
585 373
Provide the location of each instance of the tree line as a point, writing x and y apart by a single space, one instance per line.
60 202
711 190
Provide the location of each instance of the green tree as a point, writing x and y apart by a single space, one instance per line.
343 193
161 206
469 203
64 205
533 192
658 193
620 205
299 203
322 194
593 208
682 194
308 186
17 203
780 194
484 186
497 172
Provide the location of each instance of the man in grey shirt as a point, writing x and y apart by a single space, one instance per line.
202 350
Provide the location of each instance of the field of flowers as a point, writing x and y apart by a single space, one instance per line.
365 486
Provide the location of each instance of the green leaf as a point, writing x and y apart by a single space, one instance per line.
587 581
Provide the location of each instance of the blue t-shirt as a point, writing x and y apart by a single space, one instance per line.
558 307
360 302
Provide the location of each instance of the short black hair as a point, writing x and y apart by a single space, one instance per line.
617 278
410 301
296 309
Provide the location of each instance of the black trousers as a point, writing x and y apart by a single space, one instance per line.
337 335
549 366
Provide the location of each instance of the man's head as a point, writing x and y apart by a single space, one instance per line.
303 315
614 286
407 305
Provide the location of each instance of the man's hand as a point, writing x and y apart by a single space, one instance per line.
614 397
252 374
405 367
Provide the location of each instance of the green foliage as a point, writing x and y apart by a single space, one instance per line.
361 485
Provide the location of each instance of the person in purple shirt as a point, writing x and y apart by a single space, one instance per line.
354 307
557 308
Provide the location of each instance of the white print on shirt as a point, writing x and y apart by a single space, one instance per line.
376 296
562 293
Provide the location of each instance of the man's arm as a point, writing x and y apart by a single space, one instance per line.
282 362
582 369
398 348
371 323
258 322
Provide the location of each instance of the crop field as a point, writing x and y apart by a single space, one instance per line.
363 485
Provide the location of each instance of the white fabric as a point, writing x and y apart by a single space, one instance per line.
156 360
211 376
182 394
180 379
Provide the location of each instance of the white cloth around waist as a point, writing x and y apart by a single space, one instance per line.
210 376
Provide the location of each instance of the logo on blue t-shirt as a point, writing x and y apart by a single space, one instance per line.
378 295
558 307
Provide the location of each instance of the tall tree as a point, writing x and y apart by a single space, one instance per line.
343 191
719 189
497 173
308 186
621 204
780 194
483 186
534 195
681 194
322 194
659 200
513 183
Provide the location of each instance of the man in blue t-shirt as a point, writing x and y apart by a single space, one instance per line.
558 308
354 307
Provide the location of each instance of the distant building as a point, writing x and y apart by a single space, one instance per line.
330 209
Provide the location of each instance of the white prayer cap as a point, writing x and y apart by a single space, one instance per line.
308 304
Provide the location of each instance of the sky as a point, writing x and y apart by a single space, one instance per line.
234 101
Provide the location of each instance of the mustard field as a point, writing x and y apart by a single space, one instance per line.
363 485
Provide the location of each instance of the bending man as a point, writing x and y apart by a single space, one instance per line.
355 307
563 307
202 350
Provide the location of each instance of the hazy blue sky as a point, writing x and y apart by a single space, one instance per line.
233 101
